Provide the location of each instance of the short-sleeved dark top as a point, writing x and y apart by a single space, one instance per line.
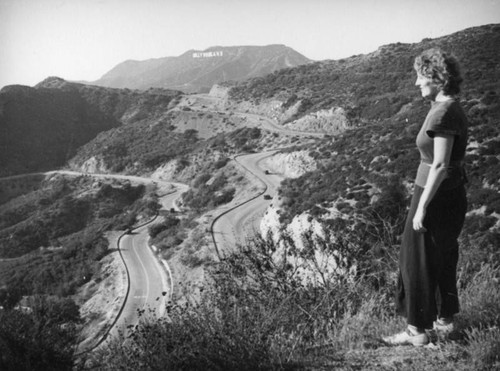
449 118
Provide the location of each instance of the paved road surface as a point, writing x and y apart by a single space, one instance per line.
150 284
148 289
209 103
242 221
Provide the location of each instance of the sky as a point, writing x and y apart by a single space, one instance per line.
84 39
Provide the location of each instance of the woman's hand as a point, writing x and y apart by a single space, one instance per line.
418 220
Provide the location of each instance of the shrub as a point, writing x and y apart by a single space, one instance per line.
221 162
480 301
258 314
43 338
485 196
169 223
478 223
74 224
201 180
208 195
483 348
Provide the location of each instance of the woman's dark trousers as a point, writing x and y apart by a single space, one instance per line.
428 261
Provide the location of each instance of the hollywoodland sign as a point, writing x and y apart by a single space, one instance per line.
208 54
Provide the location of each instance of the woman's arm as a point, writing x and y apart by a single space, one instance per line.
442 152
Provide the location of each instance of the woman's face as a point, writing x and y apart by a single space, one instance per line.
428 88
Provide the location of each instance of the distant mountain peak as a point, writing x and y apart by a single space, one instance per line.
51 82
198 70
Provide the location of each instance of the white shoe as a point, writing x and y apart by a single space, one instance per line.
407 338
444 326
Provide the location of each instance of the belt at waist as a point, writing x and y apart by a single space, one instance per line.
455 174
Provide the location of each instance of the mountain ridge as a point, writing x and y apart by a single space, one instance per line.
41 127
197 70
376 85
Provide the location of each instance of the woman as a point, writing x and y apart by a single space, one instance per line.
427 291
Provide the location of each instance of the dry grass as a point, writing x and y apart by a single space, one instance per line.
257 315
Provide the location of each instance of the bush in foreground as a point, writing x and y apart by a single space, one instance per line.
257 314
40 336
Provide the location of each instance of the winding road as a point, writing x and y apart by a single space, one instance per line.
209 103
241 221
150 283
232 226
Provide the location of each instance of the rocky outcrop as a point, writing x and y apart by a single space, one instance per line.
92 165
165 172
331 121
290 165
219 91
273 109
314 266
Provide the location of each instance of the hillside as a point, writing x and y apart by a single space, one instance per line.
261 312
197 70
364 176
385 111
376 86
42 127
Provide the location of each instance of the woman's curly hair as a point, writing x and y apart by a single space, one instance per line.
442 68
